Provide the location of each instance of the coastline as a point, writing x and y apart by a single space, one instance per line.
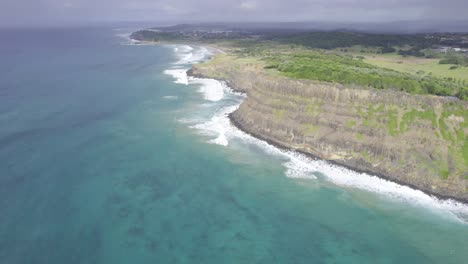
214 49
282 146
286 147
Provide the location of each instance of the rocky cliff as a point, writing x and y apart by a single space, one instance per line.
414 140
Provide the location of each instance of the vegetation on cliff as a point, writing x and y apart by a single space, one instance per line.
322 66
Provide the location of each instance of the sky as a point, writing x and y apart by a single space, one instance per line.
39 12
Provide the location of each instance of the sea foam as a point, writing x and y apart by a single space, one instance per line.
218 126
179 74
170 97
189 55
128 40
186 56
212 90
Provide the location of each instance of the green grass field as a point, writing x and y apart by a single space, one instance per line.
345 68
419 66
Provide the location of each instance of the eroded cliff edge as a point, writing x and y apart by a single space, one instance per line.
414 140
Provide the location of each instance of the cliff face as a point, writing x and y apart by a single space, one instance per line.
414 140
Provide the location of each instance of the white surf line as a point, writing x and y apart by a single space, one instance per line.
170 97
211 89
126 36
179 74
301 166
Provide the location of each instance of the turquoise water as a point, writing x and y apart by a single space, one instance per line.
105 159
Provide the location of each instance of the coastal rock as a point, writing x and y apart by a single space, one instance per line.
413 140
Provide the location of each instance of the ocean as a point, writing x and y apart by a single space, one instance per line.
109 153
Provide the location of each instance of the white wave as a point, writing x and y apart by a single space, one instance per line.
123 35
170 97
345 177
212 90
299 167
199 55
128 40
180 75
190 121
183 53
190 55
184 58
218 126
184 48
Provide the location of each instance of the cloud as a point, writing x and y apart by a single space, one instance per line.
248 5
170 9
37 11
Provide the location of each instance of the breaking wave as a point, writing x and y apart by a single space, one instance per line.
126 38
170 97
179 74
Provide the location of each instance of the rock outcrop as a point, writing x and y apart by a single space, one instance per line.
413 140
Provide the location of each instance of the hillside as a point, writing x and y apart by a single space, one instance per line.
416 140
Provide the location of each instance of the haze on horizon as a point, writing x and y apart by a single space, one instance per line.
71 12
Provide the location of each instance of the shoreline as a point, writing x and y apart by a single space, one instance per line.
216 50
337 163
285 147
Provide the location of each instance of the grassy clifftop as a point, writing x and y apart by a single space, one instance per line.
351 69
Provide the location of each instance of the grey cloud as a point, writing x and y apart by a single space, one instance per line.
68 11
